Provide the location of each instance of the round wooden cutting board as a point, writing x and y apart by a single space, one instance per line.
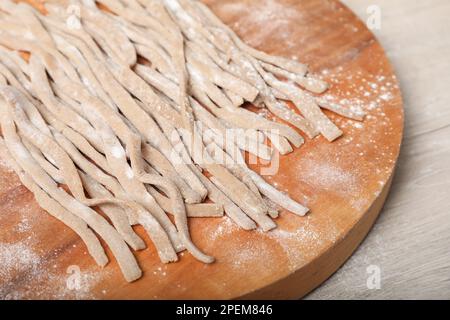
344 183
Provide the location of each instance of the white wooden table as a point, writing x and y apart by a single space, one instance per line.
410 243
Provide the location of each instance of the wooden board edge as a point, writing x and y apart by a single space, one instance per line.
307 278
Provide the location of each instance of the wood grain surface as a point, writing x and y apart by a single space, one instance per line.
410 242
344 183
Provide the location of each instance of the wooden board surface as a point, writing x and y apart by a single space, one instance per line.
344 183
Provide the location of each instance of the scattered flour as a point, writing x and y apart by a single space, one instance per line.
38 280
256 16
226 226
23 226
328 176
245 254
16 258
289 240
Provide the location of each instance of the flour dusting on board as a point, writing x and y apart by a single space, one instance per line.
245 254
329 177
9 179
257 15
298 244
24 225
226 226
38 280
16 258
290 240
